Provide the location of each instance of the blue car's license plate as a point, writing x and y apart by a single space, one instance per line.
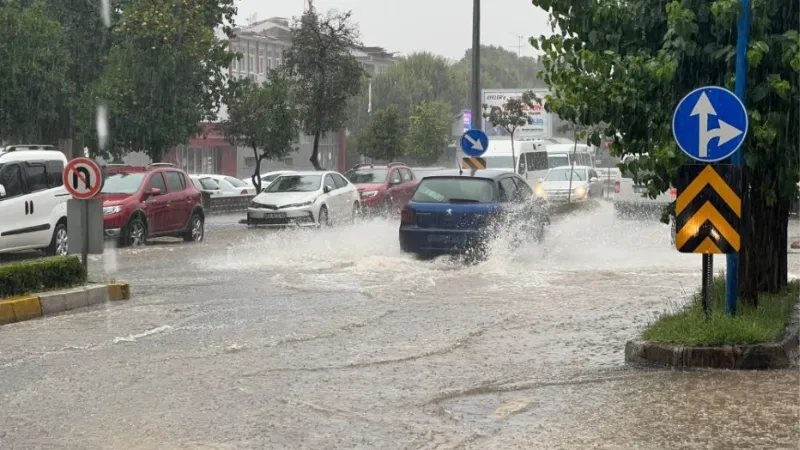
444 239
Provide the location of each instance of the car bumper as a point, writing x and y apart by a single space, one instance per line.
300 217
439 241
564 198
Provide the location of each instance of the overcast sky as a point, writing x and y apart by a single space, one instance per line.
443 27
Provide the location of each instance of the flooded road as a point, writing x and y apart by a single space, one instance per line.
335 339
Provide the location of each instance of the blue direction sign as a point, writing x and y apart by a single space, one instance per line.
474 142
710 124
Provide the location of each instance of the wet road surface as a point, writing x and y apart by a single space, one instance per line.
334 339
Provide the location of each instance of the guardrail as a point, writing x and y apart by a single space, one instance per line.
226 205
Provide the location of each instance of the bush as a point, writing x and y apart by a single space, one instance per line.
30 277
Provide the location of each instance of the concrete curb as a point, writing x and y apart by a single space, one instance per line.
18 309
782 354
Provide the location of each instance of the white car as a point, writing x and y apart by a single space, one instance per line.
229 186
555 187
305 199
33 200
206 185
267 178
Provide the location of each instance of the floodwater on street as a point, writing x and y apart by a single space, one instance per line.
335 339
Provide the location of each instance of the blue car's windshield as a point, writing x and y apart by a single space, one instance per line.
454 190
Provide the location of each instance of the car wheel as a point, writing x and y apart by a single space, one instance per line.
135 233
196 230
58 245
323 220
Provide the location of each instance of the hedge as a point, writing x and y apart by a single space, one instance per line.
29 277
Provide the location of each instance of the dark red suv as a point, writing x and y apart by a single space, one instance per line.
383 188
153 201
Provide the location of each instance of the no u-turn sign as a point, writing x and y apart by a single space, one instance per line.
83 178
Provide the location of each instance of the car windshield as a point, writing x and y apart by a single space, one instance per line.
123 183
367 176
235 182
563 175
558 159
499 162
209 184
271 177
454 190
295 183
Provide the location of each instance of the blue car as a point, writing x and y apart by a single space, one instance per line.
453 211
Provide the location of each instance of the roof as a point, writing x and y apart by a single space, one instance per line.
310 172
489 174
27 155
574 167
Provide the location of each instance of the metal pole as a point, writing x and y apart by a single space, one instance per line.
477 109
732 272
707 283
85 231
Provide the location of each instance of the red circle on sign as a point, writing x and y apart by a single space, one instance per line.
88 191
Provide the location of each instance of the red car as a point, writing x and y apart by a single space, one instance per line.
153 201
383 188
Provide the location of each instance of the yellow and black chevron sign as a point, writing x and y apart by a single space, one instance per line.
708 209
473 163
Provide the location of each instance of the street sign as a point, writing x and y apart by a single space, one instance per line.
710 124
473 163
708 208
83 178
474 142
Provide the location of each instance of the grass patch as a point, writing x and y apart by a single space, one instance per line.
689 326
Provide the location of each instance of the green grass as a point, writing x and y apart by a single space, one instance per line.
689 327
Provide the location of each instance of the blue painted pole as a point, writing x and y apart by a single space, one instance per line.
732 273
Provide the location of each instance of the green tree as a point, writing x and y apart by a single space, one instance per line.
32 80
429 131
630 65
384 138
328 74
263 117
510 117
165 73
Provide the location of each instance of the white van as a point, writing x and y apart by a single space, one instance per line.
33 199
539 157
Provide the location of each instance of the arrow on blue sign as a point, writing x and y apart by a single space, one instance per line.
710 124
474 142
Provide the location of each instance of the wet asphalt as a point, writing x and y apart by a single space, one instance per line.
334 339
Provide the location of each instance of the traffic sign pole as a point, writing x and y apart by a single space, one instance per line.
737 159
83 178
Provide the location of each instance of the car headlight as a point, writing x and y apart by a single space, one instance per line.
299 205
108 210
368 194
540 192
579 191
255 205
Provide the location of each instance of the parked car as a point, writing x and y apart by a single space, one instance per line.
608 178
206 185
305 199
33 208
229 186
158 201
455 211
383 188
582 180
267 178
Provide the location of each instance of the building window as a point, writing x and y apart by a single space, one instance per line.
249 161
252 67
261 63
269 62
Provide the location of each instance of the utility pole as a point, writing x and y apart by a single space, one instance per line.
477 109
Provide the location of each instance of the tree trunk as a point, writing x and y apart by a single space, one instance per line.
315 150
763 258
257 173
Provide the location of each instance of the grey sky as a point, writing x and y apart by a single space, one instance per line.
438 26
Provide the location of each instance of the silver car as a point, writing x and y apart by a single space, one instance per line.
305 199
577 183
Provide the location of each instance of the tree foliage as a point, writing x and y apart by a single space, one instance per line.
629 66
385 136
511 116
32 60
429 131
262 117
165 73
328 74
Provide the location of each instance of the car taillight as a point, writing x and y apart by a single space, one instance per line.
407 216
673 192
244 191
616 187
